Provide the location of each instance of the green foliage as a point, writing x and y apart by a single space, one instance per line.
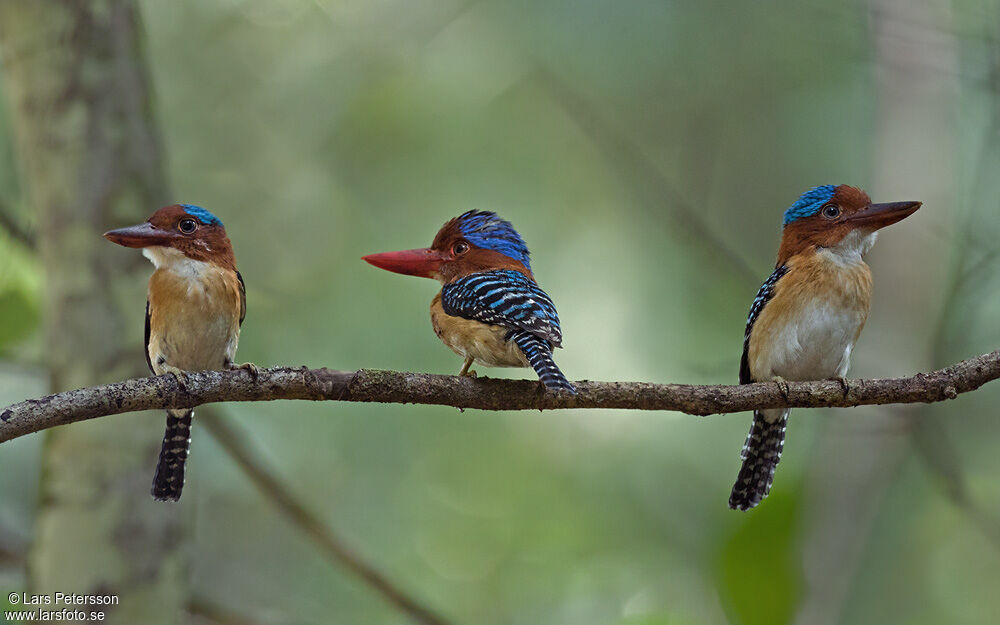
757 571
20 317
652 620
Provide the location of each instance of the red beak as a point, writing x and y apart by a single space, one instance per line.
424 262
142 235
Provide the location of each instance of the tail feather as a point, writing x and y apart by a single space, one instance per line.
761 454
538 351
169 478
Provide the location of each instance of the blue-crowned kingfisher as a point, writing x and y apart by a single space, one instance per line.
490 310
195 306
807 316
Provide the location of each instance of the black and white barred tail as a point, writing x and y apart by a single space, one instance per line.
169 478
761 454
539 354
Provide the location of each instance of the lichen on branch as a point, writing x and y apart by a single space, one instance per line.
397 387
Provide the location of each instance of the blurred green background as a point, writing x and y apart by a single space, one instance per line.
645 151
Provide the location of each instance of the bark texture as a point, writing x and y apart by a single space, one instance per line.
89 155
395 387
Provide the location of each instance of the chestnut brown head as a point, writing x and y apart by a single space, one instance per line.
473 242
189 229
836 216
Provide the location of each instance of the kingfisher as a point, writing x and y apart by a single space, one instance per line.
195 306
808 314
489 310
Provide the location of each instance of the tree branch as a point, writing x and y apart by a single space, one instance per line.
372 385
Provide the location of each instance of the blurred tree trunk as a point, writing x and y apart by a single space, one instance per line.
90 158
860 455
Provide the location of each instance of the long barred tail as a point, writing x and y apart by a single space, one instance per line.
761 454
539 354
169 478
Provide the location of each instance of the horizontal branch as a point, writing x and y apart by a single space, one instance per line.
372 385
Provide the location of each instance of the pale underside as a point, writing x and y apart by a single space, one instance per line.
482 342
808 329
194 313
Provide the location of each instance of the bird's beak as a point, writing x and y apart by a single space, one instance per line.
424 262
877 216
142 235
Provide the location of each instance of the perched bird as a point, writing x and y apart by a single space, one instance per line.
490 310
807 316
195 307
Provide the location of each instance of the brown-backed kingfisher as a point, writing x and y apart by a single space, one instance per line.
195 307
490 310
807 316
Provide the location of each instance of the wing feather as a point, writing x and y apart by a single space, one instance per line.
764 295
149 362
505 298
243 297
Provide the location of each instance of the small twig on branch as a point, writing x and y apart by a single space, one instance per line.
372 385
236 444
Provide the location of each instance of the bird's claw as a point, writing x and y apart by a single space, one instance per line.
782 386
843 384
466 372
249 366
180 377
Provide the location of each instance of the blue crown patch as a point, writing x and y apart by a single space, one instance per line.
202 215
809 203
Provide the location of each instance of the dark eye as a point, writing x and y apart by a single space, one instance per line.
831 211
187 226
460 248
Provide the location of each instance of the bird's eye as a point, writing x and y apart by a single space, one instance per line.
831 211
460 248
187 226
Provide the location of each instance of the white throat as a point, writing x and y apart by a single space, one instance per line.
853 247
175 261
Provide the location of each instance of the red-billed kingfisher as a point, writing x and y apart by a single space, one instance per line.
808 315
195 306
490 310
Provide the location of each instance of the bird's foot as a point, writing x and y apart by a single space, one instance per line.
466 372
843 384
179 375
249 366
782 386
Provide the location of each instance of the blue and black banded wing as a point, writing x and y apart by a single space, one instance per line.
504 298
764 295
511 300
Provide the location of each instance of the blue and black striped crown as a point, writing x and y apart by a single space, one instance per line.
486 230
